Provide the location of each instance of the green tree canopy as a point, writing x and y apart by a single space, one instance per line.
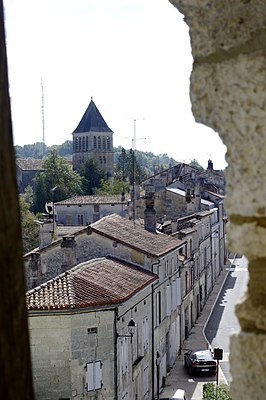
30 230
92 176
112 186
58 175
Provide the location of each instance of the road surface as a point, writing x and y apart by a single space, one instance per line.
223 322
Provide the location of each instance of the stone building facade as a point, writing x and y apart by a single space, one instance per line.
84 210
128 242
93 139
78 324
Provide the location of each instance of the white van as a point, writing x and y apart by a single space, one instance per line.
179 395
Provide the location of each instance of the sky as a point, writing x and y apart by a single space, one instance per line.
133 57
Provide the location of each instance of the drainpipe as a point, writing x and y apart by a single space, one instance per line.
152 342
152 333
115 354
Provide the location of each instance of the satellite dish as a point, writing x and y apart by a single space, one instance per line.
49 207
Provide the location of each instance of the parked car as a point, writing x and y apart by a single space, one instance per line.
178 395
200 361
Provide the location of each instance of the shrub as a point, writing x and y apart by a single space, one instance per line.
214 392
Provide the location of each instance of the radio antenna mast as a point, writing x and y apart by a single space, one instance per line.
42 108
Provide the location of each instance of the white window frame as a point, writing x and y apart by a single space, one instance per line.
93 375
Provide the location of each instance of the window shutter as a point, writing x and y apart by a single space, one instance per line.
168 299
93 375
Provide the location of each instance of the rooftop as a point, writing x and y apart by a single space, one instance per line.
92 121
134 235
30 164
114 199
95 282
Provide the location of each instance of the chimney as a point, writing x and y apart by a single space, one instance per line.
149 212
68 245
210 165
45 233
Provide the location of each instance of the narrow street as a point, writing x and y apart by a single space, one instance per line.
223 322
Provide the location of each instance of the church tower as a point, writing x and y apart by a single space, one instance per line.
93 139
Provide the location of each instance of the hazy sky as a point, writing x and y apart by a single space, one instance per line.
132 56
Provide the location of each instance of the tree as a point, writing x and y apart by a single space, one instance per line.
30 230
57 174
92 176
195 163
112 186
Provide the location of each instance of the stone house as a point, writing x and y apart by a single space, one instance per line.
83 210
128 241
79 339
27 168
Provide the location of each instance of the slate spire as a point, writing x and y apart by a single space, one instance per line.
92 121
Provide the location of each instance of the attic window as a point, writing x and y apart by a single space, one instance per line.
92 330
115 244
80 205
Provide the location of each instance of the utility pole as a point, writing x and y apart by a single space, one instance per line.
133 170
42 108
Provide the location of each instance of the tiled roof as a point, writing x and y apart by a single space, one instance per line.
92 121
96 282
133 235
29 164
114 199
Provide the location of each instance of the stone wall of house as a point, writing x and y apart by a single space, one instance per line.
228 94
62 344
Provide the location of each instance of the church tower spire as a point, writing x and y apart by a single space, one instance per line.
93 138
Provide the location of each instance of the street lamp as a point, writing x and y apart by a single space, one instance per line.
131 327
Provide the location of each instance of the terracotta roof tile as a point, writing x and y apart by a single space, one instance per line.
96 282
134 236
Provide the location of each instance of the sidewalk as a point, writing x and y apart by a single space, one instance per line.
178 378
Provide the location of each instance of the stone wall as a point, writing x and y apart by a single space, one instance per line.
228 94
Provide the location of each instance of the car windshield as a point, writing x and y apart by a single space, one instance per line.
204 355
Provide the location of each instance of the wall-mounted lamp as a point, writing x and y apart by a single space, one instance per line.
131 327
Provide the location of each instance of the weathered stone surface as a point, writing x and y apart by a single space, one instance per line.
247 238
224 27
248 366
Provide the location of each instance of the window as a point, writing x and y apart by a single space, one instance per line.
168 300
87 143
94 142
108 140
145 333
80 144
104 143
159 308
99 142
76 145
93 375
124 355
96 208
83 143
92 330
146 382
80 219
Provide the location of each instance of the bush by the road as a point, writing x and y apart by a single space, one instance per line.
214 392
